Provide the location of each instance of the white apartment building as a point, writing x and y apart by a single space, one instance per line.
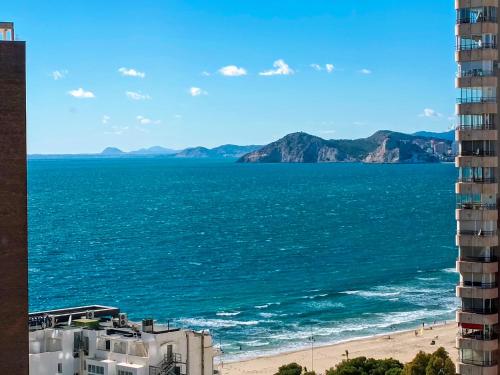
99 340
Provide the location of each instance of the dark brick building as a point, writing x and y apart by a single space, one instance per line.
13 206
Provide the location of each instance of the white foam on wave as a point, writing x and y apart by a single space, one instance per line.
267 315
370 293
224 313
450 270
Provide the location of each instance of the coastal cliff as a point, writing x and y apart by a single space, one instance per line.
382 147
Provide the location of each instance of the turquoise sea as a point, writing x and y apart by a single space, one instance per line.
261 255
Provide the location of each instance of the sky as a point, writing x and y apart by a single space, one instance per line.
180 73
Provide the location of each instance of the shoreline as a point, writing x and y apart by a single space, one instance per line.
325 356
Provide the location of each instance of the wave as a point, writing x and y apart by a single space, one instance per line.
449 270
217 323
224 313
370 293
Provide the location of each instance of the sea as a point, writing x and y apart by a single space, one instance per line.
267 257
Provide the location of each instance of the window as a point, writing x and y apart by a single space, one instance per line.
95 370
59 368
124 372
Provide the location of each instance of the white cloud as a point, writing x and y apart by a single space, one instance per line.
232 71
105 119
429 112
196 91
146 121
281 68
131 73
316 67
365 71
137 95
59 74
329 68
178 116
81 94
206 74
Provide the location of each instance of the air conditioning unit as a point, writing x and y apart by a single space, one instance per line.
122 320
89 314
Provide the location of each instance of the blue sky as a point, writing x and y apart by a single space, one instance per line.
218 71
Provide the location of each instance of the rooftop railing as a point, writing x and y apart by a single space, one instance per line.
477 153
475 73
478 233
479 310
478 180
476 206
477 99
471 47
480 285
461 20
477 362
479 335
476 127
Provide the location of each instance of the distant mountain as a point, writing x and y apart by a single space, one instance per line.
155 150
225 151
112 151
382 147
447 136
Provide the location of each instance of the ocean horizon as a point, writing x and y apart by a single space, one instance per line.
265 256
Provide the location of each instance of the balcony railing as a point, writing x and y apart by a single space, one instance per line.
476 206
478 99
478 153
477 362
479 335
461 20
476 127
478 180
478 233
475 73
479 285
480 310
491 259
471 47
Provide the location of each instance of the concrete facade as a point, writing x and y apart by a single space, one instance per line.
477 36
13 208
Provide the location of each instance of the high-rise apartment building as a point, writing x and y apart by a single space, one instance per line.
477 187
13 206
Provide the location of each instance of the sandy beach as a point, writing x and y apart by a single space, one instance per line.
402 346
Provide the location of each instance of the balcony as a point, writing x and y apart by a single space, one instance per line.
476 134
481 291
484 26
477 107
471 369
478 362
477 265
476 78
478 341
477 238
476 160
